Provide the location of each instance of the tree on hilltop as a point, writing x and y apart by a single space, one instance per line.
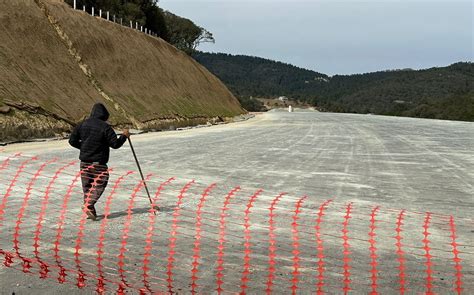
185 34
181 32
145 12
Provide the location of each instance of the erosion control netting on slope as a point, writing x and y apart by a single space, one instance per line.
214 238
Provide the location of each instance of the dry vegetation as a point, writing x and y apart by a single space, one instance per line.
64 61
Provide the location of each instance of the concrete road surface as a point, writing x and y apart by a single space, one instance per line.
398 163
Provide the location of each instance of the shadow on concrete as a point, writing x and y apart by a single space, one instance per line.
137 211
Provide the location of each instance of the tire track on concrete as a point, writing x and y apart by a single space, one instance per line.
448 163
264 135
377 142
345 152
318 148
347 164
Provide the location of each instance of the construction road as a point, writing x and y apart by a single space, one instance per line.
396 163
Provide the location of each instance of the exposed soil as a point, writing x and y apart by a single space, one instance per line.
63 61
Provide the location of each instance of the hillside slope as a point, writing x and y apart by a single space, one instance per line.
55 63
442 93
255 76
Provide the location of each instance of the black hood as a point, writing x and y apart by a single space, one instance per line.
100 112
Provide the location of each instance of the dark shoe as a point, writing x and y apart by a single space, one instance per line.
91 215
90 212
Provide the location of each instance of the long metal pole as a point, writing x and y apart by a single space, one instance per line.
141 174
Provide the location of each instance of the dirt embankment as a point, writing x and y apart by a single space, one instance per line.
55 63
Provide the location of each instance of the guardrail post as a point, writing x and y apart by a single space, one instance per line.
100 13
108 15
93 12
75 5
84 8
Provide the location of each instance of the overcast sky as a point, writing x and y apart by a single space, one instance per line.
338 37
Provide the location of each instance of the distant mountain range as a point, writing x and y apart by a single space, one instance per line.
441 93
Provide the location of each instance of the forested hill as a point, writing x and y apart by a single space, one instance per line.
442 93
254 76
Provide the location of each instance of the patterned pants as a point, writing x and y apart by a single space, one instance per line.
94 181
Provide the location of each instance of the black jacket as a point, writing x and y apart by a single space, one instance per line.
94 137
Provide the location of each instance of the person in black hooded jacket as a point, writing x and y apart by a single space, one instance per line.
94 137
